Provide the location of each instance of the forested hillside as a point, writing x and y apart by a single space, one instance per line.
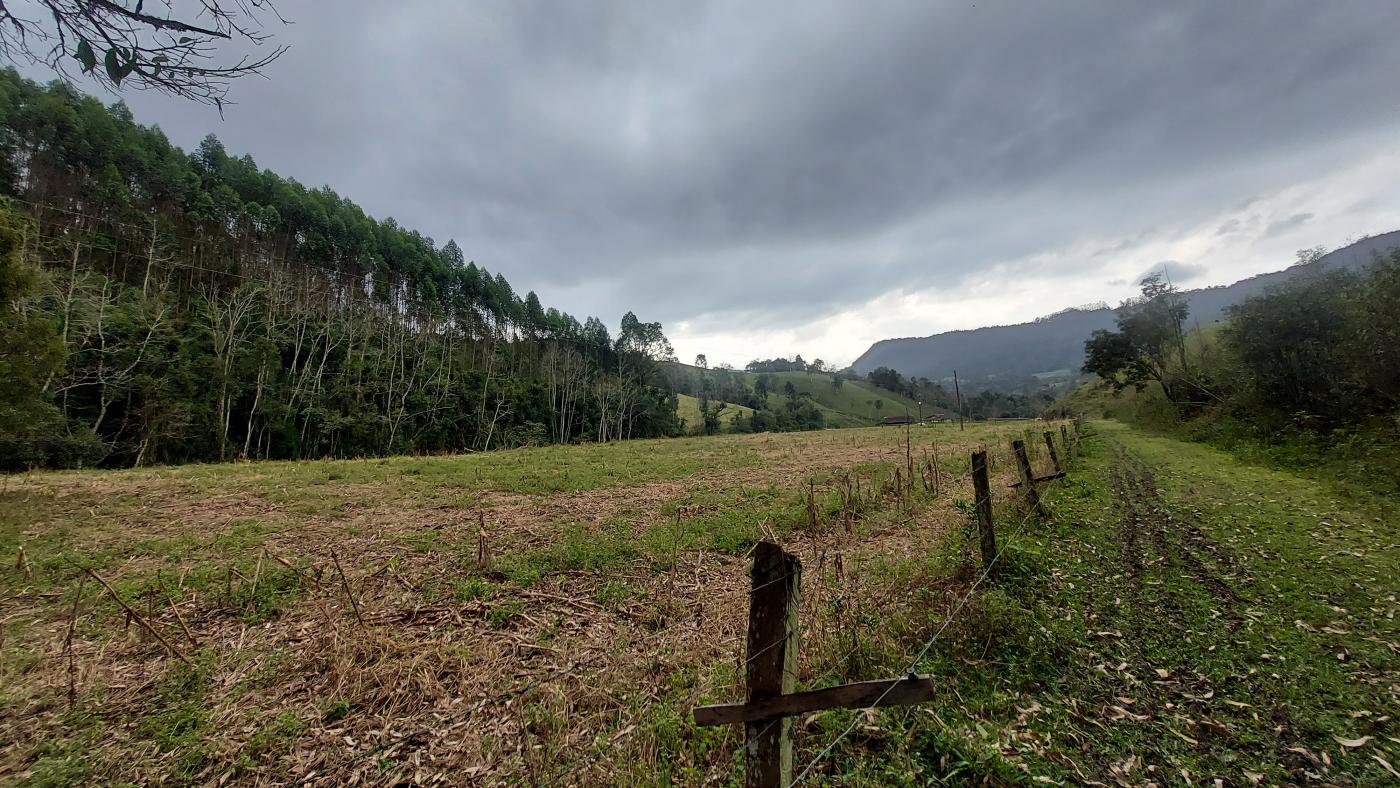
160 306
1010 357
792 394
1305 373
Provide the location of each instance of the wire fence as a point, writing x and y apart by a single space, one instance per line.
918 657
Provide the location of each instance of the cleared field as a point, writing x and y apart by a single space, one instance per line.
1180 618
688 408
614 601
854 403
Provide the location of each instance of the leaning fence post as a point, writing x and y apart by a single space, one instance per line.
772 662
1054 456
1023 463
982 494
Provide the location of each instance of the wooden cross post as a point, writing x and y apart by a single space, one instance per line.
772 660
1028 480
982 494
772 674
1054 456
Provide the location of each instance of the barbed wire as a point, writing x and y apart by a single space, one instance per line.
913 663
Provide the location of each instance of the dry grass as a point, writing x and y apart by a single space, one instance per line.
573 659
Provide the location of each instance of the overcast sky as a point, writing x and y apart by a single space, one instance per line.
775 178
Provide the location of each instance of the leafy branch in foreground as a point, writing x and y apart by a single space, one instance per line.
120 45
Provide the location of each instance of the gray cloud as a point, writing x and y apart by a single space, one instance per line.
1177 272
1229 227
1282 226
766 165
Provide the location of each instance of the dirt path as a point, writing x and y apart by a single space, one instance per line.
1177 543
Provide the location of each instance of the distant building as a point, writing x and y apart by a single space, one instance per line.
906 419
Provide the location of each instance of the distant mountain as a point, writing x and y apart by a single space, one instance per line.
1017 356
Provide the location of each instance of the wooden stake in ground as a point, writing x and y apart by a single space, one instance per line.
176 610
133 615
909 457
675 564
982 495
812 505
1023 464
958 391
345 583
772 662
483 548
772 673
937 476
1054 456
68 642
1076 436
1064 443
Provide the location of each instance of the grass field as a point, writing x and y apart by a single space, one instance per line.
576 655
852 404
1182 617
688 408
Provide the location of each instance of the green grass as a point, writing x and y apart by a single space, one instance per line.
851 404
1071 662
688 408
588 521
1362 460
1248 662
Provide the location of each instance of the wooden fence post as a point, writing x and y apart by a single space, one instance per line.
982 494
772 662
1054 456
1064 443
1076 436
1023 463
771 669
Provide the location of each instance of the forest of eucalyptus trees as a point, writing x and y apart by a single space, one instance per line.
162 307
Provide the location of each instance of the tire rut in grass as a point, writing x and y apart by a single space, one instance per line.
1177 540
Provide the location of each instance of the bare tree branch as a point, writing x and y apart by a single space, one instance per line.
119 44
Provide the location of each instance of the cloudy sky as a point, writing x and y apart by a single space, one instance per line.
775 178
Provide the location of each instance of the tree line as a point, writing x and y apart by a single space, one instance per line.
162 307
1319 354
985 403
776 408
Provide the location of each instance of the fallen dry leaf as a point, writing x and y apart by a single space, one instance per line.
1353 743
1386 764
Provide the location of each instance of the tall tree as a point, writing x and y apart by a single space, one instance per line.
30 349
1149 344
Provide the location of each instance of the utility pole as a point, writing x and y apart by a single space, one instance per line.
958 391
921 412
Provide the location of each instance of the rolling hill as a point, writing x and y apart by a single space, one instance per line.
1010 357
688 408
854 403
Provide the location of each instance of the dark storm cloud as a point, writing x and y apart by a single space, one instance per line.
693 161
